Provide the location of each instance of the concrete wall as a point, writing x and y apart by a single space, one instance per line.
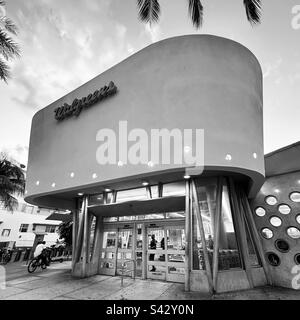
188 82
281 187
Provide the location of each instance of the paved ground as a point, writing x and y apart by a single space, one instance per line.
57 283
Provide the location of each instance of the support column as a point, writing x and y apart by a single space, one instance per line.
241 231
187 236
85 236
144 254
202 233
256 238
74 236
217 232
79 237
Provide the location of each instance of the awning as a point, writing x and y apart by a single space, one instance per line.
60 217
136 207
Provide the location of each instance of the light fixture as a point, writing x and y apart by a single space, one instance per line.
255 155
277 190
145 183
53 185
37 183
26 191
72 174
120 164
94 175
80 194
187 149
107 190
150 164
186 177
228 157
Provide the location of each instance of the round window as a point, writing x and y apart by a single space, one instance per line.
282 245
293 232
297 258
260 211
284 209
298 218
267 233
275 221
295 196
271 200
273 259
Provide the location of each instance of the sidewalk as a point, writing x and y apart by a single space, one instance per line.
57 283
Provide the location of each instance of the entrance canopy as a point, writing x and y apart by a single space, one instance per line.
136 207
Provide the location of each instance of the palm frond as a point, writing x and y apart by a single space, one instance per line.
149 10
8 48
9 202
253 10
9 25
196 12
4 71
12 182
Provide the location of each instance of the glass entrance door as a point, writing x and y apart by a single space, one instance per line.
175 253
166 253
125 249
156 254
138 254
108 253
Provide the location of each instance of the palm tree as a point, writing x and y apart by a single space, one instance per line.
12 183
8 47
149 11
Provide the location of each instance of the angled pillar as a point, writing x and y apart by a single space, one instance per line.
202 233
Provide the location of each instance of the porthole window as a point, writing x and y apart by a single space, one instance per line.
284 209
273 259
295 196
275 221
297 258
282 246
271 200
260 211
267 233
298 218
293 232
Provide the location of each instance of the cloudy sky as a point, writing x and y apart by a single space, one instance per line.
65 43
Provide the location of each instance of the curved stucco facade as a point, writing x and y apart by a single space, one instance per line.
279 188
188 82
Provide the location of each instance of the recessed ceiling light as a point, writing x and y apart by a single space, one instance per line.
53 185
120 164
150 164
72 174
107 190
228 157
80 194
94 175
255 155
37 183
145 183
277 190
186 176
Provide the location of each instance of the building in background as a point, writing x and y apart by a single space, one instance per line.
19 229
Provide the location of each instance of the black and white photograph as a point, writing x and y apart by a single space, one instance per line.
149 153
